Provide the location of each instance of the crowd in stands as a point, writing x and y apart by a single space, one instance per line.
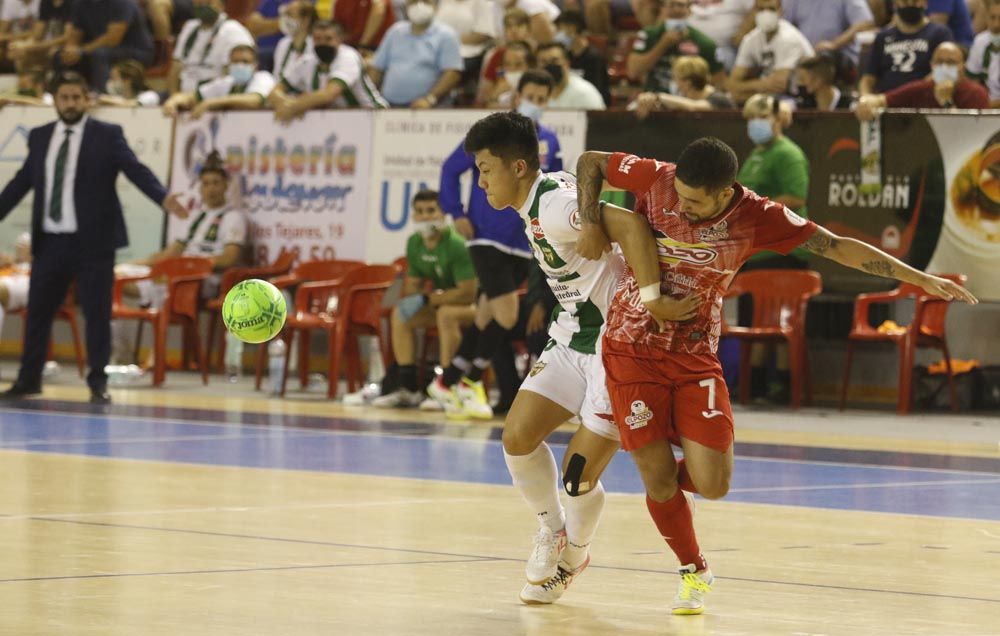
295 55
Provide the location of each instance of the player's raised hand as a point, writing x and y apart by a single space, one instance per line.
666 309
947 289
592 243
173 205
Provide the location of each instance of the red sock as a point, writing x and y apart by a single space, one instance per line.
684 477
673 520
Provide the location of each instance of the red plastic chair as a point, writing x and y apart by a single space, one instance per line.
317 288
230 277
183 276
780 298
68 313
925 330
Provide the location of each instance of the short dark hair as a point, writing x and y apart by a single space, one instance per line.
327 24
508 135
537 77
553 45
244 47
425 195
572 17
35 72
214 163
822 65
309 12
708 163
68 78
521 45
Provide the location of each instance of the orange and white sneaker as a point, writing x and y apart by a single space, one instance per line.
691 591
552 590
544 559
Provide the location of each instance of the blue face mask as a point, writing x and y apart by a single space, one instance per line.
673 24
241 72
530 110
563 38
944 73
759 131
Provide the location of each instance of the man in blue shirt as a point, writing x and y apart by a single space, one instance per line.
418 62
102 33
902 51
954 14
830 25
500 254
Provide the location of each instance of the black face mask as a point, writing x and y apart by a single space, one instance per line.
207 14
325 53
910 15
556 72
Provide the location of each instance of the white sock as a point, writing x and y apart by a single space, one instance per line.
536 476
583 513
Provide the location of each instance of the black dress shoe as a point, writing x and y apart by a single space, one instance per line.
100 397
19 390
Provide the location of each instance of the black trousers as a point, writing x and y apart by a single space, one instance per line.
59 260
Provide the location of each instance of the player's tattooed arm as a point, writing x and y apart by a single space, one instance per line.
591 170
859 255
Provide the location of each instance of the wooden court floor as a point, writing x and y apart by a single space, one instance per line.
100 535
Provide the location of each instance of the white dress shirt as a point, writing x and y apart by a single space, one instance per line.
66 225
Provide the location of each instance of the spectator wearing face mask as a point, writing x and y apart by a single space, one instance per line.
768 54
517 58
203 46
984 56
816 88
902 51
584 58
516 28
296 21
657 46
332 76
571 91
693 88
947 88
127 87
419 61
243 88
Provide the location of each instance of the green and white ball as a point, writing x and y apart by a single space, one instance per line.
254 311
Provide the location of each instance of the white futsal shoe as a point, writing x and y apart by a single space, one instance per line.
399 399
445 396
550 591
691 591
544 559
431 405
475 403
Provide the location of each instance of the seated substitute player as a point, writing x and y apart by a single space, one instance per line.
664 380
332 76
436 255
568 378
244 87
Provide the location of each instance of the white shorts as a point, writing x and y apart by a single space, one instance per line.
576 382
17 291
153 293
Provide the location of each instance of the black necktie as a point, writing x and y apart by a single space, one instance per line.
55 203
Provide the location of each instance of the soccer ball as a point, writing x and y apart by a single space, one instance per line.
254 311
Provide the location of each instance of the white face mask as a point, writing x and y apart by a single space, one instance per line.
513 78
428 229
420 13
767 21
288 25
944 73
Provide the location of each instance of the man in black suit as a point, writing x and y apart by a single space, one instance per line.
76 226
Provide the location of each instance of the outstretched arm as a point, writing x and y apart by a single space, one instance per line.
859 255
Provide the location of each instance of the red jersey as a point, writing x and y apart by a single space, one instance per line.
700 258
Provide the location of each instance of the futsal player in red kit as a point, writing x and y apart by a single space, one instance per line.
659 349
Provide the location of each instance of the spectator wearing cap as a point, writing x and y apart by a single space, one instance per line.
127 87
584 57
203 46
768 54
571 91
297 19
984 56
419 61
657 46
244 87
817 90
332 76
948 87
694 92
102 33
902 51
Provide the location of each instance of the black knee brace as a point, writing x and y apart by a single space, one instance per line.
574 471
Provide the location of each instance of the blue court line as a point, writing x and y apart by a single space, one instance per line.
457 558
773 481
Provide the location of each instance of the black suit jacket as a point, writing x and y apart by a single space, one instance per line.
103 154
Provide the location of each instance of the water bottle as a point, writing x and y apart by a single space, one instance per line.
276 352
234 357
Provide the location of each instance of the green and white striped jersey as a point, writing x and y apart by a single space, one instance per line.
584 288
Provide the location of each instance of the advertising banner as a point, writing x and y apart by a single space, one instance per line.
970 238
409 148
148 134
304 186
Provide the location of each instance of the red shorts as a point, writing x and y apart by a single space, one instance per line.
664 395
